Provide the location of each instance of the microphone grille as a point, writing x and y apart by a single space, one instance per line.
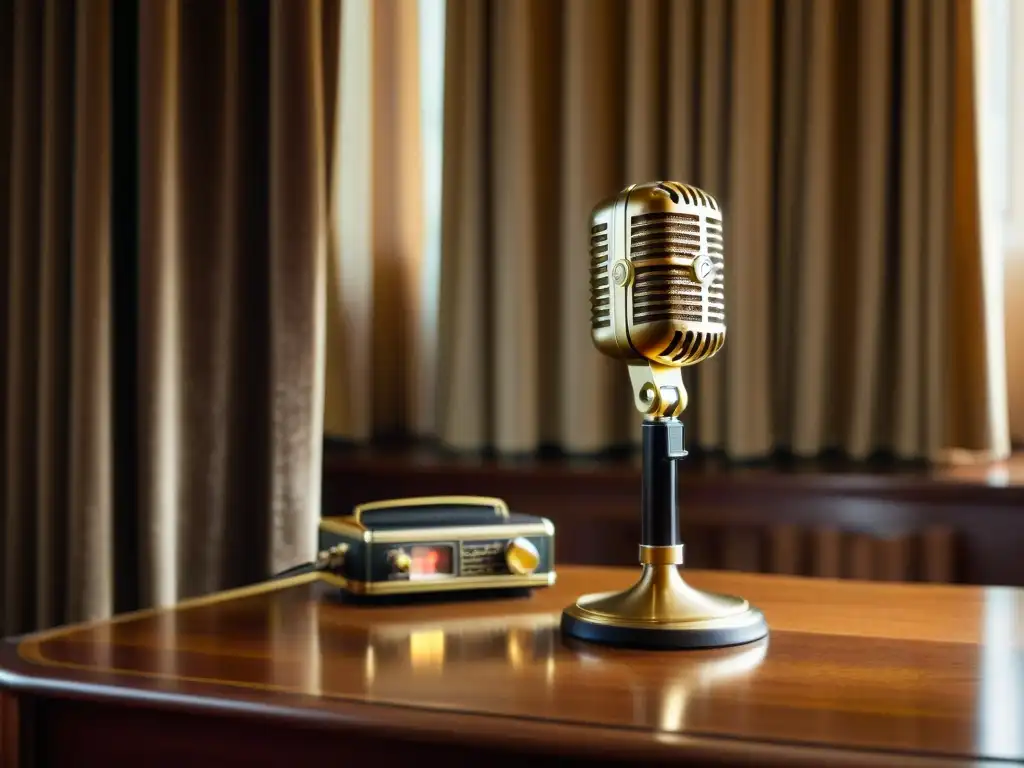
663 247
678 297
600 290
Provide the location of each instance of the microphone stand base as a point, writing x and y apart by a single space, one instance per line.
662 611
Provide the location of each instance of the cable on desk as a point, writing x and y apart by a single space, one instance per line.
295 570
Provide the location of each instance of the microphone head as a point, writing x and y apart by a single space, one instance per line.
656 282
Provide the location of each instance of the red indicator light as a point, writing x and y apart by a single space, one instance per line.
431 560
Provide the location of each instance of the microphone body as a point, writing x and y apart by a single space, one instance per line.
657 284
657 302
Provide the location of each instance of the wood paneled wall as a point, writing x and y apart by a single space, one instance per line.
9 755
828 552
901 527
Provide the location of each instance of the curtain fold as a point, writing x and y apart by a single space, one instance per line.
375 351
163 275
54 308
298 226
21 270
90 528
841 142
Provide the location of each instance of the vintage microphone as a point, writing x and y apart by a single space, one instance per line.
658 303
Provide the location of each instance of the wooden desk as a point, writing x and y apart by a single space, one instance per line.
853 674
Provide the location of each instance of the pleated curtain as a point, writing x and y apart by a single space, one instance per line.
164 228
212 253
841 140
380 363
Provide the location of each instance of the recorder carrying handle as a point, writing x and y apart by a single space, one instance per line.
433 512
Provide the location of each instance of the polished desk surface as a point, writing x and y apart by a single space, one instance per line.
852 673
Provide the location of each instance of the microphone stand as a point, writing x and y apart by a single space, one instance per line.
661 610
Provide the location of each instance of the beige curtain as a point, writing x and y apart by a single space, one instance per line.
1014 319
164 230
1014 245
840 139
378 363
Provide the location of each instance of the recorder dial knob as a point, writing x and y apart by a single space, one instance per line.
521 556
400 560
332 559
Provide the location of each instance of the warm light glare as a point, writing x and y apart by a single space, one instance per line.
370 665
673 709
426 649
734 665
1001 698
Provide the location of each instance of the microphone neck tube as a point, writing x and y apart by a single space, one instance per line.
663 444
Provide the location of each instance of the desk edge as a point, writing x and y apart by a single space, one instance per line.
490 730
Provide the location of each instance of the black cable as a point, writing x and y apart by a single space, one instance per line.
295 570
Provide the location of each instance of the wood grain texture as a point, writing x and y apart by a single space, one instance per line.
853 673
9 757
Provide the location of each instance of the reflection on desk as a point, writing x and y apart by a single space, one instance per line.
858 671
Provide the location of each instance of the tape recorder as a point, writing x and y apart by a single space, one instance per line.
435 544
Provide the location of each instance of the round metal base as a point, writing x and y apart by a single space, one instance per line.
661 611
663 637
